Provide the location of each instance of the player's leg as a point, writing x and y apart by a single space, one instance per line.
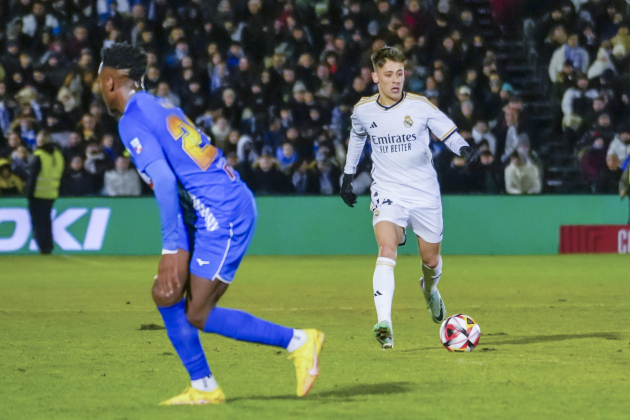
304 345
388 236
215 261
431 264
185 337
388 221
431 274
204 314
427 225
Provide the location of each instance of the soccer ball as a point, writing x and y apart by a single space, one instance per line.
460 333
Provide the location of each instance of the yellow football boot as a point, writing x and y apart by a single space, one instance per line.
306 361
192 396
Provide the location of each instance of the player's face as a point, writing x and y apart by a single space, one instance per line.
390 79
107 81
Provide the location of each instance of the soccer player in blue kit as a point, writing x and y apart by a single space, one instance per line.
208 216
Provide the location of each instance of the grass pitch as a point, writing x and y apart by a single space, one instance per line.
555 341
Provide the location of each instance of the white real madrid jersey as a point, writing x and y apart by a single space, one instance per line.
399 136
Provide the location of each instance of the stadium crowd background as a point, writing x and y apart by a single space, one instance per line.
541 88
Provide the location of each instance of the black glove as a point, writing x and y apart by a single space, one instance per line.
469 154
346 193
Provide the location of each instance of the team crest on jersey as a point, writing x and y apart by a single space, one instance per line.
137 147
376 213
408 121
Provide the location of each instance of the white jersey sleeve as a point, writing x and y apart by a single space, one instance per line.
358 136
445 130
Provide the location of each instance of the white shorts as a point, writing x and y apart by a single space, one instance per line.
425 221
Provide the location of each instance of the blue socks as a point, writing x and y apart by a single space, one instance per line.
185 339
242 326
231 323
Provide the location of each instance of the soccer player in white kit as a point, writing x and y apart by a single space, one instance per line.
405 190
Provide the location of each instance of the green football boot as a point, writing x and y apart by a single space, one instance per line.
384 333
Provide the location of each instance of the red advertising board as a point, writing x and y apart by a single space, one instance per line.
595 239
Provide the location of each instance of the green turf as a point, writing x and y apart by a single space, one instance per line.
555 341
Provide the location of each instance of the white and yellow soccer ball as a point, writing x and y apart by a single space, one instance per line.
460 333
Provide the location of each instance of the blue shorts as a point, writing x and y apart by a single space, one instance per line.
217 254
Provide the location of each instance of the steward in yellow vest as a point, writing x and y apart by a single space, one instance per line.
42 188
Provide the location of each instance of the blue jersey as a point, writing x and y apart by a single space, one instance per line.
152 129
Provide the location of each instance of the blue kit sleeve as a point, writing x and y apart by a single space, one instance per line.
139 140
165 188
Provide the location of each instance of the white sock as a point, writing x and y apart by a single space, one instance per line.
298 340
431 277
384 285
207 384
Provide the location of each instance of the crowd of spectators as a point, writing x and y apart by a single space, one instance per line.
587 46
273 82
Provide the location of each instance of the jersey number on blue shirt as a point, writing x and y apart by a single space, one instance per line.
196 144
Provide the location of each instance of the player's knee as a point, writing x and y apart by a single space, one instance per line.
161 299
157 295
388 251
197 316
431 261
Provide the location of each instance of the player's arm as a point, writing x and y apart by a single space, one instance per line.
167 197
358 136
446 130
149 158
165 189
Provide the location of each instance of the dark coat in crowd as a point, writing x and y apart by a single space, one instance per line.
270 182
78 183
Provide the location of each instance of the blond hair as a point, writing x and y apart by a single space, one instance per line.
380 57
